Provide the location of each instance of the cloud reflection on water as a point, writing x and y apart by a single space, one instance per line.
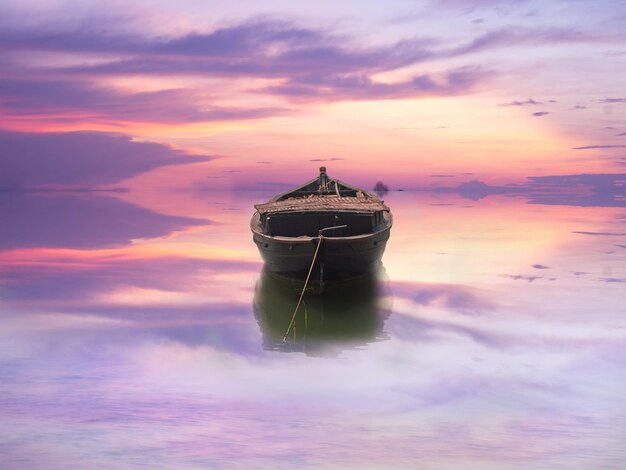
83 159
584 190
123 348
80 221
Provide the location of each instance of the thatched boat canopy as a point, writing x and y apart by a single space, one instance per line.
325 203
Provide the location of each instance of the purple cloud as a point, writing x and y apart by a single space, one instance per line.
609 234
251 48
332 159
540 266
518 277
248 49
540 113
312 65
589 147
361 87
237 40
513 36
613 100
307 64
73 100
31 160
528 102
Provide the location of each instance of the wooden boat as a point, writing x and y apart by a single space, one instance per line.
328 228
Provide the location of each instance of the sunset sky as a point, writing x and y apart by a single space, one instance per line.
138 323
249 94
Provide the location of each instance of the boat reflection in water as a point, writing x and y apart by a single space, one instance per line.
347 315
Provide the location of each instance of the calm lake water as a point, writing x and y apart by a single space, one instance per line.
138 330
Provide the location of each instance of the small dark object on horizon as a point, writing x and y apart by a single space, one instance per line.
381 188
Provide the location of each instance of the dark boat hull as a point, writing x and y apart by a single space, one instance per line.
338 257
328 228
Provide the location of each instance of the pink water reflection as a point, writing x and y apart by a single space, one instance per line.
134 346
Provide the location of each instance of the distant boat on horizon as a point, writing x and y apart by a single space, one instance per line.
325 229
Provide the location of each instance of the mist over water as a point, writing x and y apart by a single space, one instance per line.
138 326
141 330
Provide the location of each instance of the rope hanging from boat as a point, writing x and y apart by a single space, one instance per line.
308 276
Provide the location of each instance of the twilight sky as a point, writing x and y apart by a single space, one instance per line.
133 321
256 94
